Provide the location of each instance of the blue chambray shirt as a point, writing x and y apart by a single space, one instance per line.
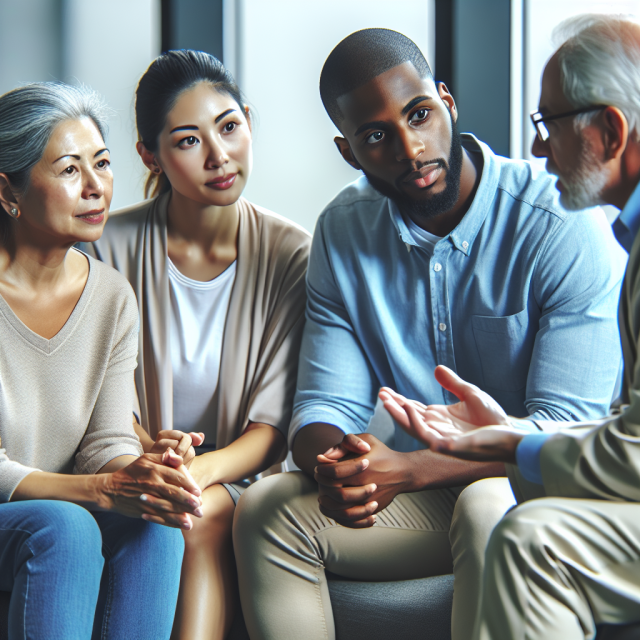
520 299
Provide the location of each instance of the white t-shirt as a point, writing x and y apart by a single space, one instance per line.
198 313
422 238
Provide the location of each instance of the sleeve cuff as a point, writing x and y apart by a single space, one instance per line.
528 456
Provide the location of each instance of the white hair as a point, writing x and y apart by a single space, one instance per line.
599 57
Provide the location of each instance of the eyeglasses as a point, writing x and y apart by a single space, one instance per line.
538 119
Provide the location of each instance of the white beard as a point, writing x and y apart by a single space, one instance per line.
584 186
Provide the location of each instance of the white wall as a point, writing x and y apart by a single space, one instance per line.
276 50
29 42
540 18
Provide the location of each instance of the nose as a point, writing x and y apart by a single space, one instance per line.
93 188
217 156
409 144
539 149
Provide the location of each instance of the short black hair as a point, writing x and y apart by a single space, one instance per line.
362 56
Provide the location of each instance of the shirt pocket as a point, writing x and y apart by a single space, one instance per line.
505 349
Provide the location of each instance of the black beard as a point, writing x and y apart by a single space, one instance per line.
439 203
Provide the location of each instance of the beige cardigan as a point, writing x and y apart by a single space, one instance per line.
262 330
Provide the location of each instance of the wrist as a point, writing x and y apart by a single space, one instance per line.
202 469
99 490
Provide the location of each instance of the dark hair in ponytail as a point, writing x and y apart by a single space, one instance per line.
158 90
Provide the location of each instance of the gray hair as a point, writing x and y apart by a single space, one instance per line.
28 116
599 57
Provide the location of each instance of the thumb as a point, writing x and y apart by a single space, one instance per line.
452 382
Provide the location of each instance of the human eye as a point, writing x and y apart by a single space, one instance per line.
230 126
103 164
419 116
70 170
374 137
189 141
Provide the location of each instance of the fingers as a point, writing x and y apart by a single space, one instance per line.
350 444
196 438
340 470
395 410
173 521
355 517
172 471
340 498
160 506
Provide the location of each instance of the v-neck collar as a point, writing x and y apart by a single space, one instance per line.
35 339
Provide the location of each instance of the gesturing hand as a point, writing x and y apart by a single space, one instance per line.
358 478
475 409
181 443
155 487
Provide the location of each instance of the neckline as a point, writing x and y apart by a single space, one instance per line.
45 345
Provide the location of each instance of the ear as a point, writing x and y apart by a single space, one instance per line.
615 134
8 199
247 115
149 159
448 100
345 152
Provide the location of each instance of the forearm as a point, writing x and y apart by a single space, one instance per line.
145 439
83 490
116 464
429 470
311 441
259 447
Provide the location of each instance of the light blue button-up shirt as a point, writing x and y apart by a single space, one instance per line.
520 299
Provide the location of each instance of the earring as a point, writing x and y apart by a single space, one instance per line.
156 169
14 213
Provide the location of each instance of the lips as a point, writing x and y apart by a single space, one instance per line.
222 183
92 217
425 176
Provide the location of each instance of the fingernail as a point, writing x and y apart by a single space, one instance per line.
186 525
372 488
373 505
143 497
198 512
365 463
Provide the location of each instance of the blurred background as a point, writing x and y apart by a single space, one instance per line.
490 53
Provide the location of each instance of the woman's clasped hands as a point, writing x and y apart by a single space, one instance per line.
158 486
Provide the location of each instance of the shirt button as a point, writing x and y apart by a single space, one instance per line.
465 245
442 326
437 266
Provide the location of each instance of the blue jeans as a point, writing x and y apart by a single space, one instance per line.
75 575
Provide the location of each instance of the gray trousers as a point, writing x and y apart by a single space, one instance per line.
556 567
283 545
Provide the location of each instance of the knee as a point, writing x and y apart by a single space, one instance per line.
66 530
265 501
479 508
523 532
217 519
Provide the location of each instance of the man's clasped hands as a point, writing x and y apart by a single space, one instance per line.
361 475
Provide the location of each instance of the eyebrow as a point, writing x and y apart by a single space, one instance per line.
77 157
193 127
378 124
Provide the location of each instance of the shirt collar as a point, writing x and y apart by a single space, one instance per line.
465 233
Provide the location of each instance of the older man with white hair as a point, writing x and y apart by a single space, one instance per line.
560 565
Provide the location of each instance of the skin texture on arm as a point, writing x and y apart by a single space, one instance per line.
259 447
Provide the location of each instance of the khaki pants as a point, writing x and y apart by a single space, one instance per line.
556 567
283 545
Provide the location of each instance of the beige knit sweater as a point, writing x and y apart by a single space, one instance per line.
65 403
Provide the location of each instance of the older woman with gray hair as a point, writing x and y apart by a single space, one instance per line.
82 549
